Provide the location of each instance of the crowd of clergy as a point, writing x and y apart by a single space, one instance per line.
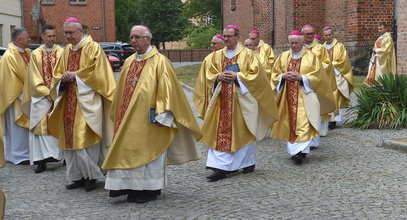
64 105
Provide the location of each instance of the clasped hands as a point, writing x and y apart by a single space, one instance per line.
227 76
68 77
292 76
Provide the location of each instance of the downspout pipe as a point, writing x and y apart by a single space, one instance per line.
103 22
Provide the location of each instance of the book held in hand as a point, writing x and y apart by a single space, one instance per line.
233 68
152 115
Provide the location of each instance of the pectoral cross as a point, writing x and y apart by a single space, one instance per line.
134 80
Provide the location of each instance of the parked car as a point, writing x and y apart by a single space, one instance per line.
2 51
114 62
121 50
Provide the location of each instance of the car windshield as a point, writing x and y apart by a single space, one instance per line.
128 48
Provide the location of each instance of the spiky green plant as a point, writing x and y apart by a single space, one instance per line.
384 105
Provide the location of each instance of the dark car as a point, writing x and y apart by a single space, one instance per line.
121 50
2 51
33 46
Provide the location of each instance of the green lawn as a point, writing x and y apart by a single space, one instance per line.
358 81
188 74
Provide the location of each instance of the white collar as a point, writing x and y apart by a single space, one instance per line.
141 56
76 46
19 48
49 49
297 54
232 52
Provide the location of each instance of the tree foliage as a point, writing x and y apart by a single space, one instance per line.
206 18
201 10
163 17
200 37
125 18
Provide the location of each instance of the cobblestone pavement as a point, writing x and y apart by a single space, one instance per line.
347 177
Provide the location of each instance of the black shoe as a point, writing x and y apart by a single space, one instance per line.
50 160
24 162
117 193
155 192
138 196
249 169
297 159
332 125
302 155
76 184
41 167
90 185
64 163
313 147
217 175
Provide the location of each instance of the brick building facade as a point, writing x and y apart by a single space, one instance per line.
98 17
402 36
354 21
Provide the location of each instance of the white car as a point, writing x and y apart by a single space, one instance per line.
2 50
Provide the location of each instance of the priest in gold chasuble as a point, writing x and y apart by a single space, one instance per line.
37 104
82 87
202 90
153 124
304 94
320 51
343 72
383 59
240 108
263 48
14 124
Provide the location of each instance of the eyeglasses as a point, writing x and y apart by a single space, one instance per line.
66 33
253 38
309 33
214 43
228 36
135 37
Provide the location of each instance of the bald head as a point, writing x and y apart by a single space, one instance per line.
217 43
249 43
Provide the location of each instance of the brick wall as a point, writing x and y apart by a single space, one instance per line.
354 21
195 55
402 37
90 15
242 16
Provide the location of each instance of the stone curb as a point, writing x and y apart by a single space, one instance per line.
399 144
189 88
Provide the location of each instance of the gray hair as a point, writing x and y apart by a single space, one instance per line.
147 32
17 32
78 25
301 37
236 31
302 29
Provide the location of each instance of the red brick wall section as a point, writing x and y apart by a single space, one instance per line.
363 18
336 18
90 15
309 12
242 16
262 18
402 37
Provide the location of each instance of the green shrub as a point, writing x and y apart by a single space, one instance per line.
384 105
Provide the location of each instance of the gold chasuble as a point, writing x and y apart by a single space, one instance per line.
13 70
76 119
268 52
323 56
202 90
300 112
37 85
232 119
385 55
344 81
145 87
